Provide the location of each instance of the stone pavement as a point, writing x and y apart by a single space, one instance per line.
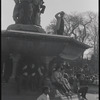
8 93
30 97
89 97
93 96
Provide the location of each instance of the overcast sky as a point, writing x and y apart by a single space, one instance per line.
52 7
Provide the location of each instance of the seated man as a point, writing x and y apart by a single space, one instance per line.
57 81
65 80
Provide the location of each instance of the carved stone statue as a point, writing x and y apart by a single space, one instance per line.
27 14
38 8
28 11
22 12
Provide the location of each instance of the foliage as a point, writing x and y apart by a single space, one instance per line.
82 27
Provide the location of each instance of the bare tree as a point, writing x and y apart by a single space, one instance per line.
80 26
51 27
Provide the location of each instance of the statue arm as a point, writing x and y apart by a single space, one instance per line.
43 8
57 15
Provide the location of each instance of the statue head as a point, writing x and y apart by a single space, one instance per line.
16 1
62 14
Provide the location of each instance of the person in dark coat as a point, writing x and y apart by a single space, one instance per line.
81 90
57 81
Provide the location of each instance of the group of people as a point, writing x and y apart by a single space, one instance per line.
28 11
61 83
30 75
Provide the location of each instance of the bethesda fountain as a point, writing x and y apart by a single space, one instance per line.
28 39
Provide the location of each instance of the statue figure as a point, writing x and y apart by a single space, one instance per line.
38 8
28 11
23 11
60 23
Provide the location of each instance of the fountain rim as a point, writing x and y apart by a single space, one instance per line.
44 36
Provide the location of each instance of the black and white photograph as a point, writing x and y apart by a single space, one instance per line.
49 50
